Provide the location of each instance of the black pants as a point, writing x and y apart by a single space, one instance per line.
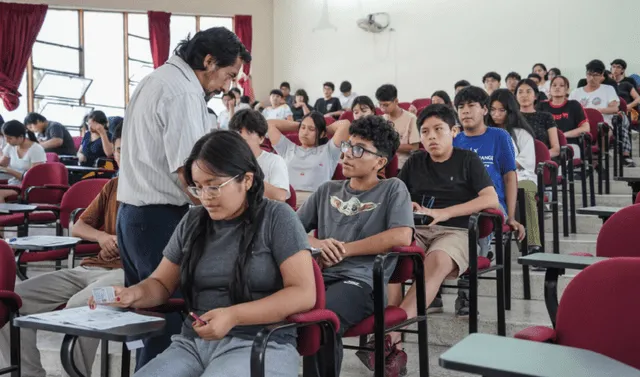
352 301
143 233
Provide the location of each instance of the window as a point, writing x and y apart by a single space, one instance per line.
104 57
139 58
181 27
57 45
209 22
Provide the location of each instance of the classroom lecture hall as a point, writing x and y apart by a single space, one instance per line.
319 188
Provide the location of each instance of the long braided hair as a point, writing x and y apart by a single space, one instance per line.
224 153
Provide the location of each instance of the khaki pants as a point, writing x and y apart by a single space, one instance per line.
531 209
45 293
453 241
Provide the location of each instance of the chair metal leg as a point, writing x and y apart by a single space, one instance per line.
507 273
565 202
14 336
524 245
104 358
473 275
572 198
554 213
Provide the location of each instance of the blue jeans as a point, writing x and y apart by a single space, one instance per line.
143 233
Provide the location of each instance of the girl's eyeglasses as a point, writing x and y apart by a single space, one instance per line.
209 191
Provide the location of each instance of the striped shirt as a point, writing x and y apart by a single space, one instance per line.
165 118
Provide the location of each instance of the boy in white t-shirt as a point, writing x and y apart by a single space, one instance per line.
252 126
278 109
21 153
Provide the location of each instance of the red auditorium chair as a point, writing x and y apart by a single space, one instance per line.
421 103
316 332
391 170
292 201
598 139
73 203
347 115
266 145
598 312
547 172
379 111
337 174
77 140
42 185
329 120
568 188
10 303
52 157
637 199
405 105
293 136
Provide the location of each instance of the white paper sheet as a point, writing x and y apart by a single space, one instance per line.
101 318
43 241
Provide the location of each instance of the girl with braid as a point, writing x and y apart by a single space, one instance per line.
235 267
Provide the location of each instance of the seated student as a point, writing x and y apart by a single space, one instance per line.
495 148
551 74
328 105
513 78
46 292
240 104
21 153
460 185
229 102
362 106
567 113
253 128
504 113
235 270
285 88
53 136
541 71
542 123
97 142
540 96
458 86
346 96
357 219
596 95
491 81
441 97
278 109
301 106
403 121
314 161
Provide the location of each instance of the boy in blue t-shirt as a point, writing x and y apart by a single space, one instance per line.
493 146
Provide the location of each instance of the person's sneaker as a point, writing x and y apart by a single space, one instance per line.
396 364
462 301
368 358
534 250
436 306
628 163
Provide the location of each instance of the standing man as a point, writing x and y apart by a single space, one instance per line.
166 116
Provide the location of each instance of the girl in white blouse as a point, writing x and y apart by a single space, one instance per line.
21 153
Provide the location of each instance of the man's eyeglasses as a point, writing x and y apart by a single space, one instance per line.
209 191
356 150
594 74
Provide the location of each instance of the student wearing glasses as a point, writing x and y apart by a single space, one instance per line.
314 161
236 271
357 219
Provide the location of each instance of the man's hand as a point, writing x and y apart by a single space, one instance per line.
439 215
332 251
518 228
109 246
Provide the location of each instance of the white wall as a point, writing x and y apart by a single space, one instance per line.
260 10
437 42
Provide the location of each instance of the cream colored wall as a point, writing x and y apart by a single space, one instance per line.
260 10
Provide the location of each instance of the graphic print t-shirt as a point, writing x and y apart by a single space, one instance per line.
495 149
328 106
340 212
568 116
598 99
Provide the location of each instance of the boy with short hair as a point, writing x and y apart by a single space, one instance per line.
278 109
491 81
512 80
357 219
403 121
459 85
346 96
328 105
253 127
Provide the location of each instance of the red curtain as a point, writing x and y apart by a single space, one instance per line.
19 27
244 31
159 36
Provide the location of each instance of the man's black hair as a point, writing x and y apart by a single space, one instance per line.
443 112
285 85
379 131
245 99
116 132
596 66
228 94
1 120
471 94
249 120
330 85
534 76
33 118
235 90
463 83
513 75
387 92
581 83
277 92
621 63
492 75
219 42
345 87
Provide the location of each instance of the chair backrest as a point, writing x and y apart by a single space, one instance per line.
421 102
391 170
329 120
599 310
379 111
50 173
52 157
292 201
309 336
637 199
594 117
618 236
623 105
543 155
337 174
80 195
347 115
562 140
77 140
293 136
7 277
405 105
266 145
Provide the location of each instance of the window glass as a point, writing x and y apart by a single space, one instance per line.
181 27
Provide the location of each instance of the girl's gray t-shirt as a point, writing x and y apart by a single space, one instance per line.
280 235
